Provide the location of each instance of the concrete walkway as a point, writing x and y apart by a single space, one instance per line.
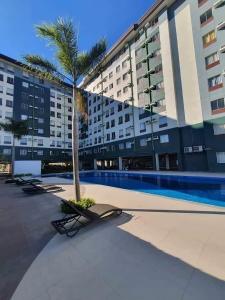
24 231
159 249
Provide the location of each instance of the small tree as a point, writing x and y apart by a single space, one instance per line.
73 64
17 129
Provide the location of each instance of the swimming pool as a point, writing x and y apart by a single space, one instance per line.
208 190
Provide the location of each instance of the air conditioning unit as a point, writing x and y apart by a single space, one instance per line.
197 148
188 150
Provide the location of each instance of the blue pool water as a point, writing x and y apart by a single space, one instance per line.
209 190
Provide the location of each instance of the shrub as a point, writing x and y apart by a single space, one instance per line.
84 203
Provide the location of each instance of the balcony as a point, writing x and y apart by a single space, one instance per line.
219 3
221 26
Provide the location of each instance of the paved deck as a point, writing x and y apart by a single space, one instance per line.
158 249
24 230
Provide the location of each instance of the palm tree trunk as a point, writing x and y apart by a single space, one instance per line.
75 147
13 157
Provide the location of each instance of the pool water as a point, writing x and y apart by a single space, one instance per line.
209 190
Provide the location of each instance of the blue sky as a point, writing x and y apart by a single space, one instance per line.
95 18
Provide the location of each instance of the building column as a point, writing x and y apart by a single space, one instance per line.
167 162
120 163
157 161
95 164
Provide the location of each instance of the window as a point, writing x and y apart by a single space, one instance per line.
125 76
162 121
113 135
10 80
119 93
212 60
206 17
220 157
40 120
111 86
7 139
59 144
69 100
40 131
209 38
125 89
112 111
7 151
52 133
143 142
164 138
1 77
1 89
40 152
23 152
118 81
120 107
70 136
8 115
25 84
215 82
70 126
127 117
110 74
40 142
117 69
138 66
23 141
59 106
128 131
0 101
128 145
52 94
120 121
107 113
219 129
142 127
112 123
69 118
58 115
121 146
107 125
52 113
124 64
120 133
9 103
218 106
9 91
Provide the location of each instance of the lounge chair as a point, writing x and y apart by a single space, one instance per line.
21 181
70 225
39 189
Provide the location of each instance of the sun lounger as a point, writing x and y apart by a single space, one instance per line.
21 181
70 225
38 189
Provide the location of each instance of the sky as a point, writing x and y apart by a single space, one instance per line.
94 18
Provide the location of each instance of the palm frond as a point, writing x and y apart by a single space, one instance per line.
62 35
17 128
40 62
88 60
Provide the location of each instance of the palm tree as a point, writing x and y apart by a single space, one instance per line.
72 65
17 129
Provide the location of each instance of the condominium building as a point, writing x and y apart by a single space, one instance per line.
46 106
156 101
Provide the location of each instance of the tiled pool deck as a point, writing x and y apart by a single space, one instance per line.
158 249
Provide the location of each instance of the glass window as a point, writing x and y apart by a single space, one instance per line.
120 133
23 141
219 129
215 81
209 38
9 103
23 152
7 151
164 138
9 91
217 104
121 146
220 156
7 139
207 16
142 127
211 59
162 121
8 115
25 84
143 142
10 80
